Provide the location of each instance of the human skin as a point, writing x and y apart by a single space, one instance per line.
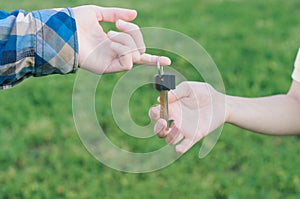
209 109
101 52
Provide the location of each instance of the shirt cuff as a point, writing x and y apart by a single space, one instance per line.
296 73
56 42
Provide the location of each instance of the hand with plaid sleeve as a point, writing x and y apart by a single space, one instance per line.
57 41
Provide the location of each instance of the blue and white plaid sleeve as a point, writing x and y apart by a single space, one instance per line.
38 43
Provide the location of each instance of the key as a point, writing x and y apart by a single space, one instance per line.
164 83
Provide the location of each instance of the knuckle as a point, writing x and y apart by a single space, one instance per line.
128 67
142 49
125 51
136 57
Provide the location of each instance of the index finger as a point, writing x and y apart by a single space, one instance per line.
151 60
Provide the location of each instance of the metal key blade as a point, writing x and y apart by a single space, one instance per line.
164 105
163 84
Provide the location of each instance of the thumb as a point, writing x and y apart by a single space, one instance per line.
113 14
182 90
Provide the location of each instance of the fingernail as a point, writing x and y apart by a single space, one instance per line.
168 61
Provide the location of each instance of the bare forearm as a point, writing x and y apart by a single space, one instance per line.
276 115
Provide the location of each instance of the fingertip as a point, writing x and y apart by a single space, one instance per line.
160 128
180 150
127 14
134 13
184 146
131 14
113 14
165 61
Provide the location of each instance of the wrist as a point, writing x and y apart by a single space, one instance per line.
228 108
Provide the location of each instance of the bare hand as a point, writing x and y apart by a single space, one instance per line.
196 108
101 52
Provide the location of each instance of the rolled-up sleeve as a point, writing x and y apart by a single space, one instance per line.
38 43
296 73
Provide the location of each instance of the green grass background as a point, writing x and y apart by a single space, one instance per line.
253 43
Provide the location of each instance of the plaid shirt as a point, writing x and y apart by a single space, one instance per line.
38 43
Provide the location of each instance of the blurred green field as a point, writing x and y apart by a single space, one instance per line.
253 43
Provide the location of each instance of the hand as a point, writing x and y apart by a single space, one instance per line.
196 108
115 51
